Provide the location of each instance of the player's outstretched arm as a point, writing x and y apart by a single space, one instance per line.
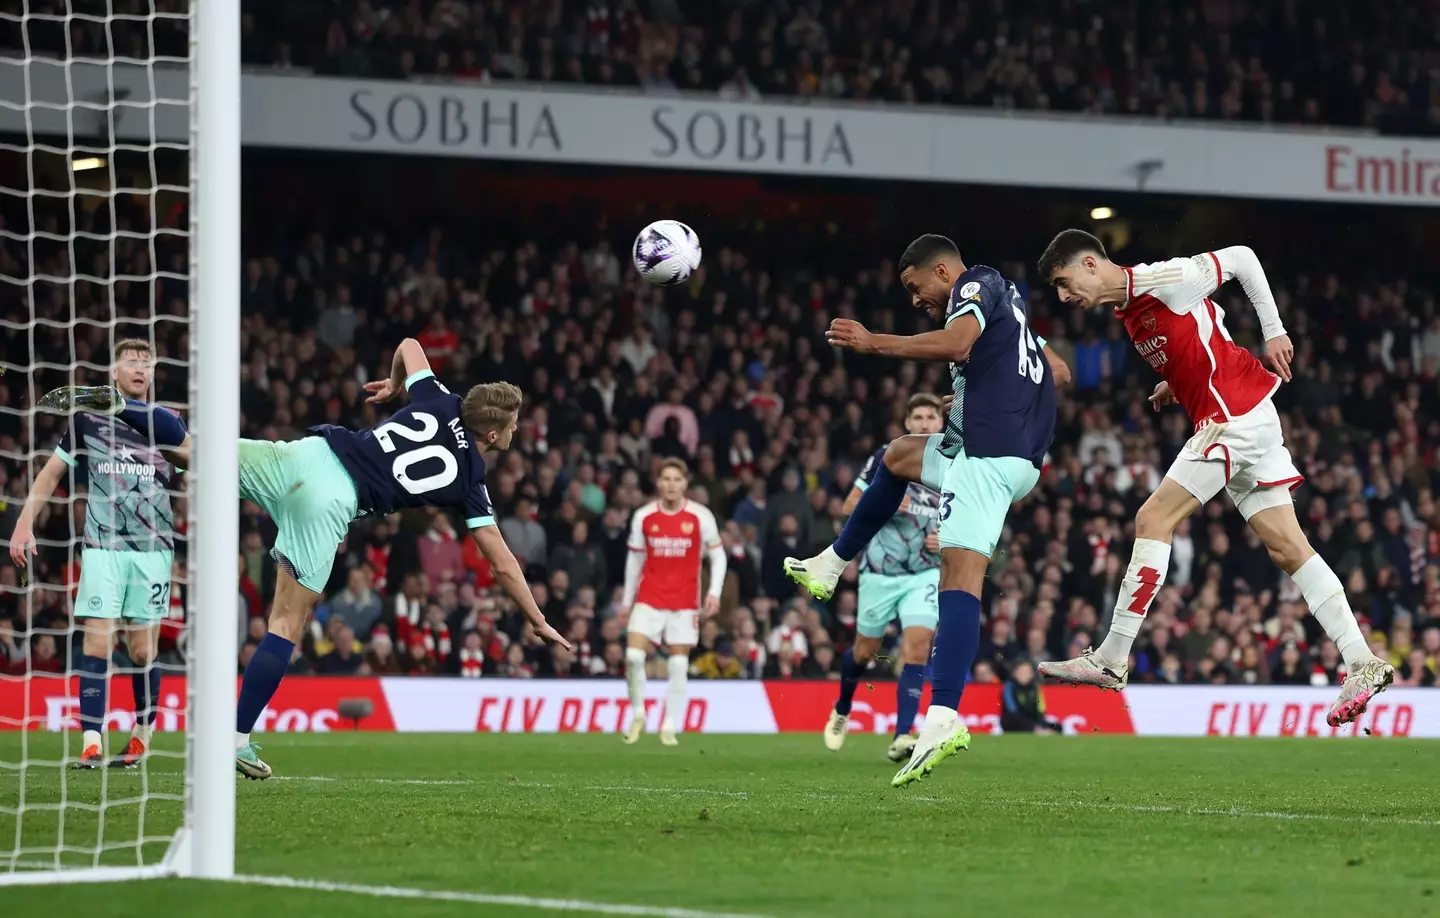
949 344
22 540
409 359
507 571
1239 262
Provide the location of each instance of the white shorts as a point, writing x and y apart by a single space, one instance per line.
673 629
1246 456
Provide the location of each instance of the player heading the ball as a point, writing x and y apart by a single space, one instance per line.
1237 445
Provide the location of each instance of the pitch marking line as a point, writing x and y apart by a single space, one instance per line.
1235 813
427 782
560 905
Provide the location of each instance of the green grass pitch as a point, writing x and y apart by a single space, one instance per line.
779 827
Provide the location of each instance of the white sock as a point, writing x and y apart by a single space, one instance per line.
635 680
1137 591
829 562
675 691
1325 596
241 741
143 732
938 719
91 738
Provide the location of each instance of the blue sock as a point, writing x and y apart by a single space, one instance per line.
849 678
146 684
907 697
163 425
262 677
93 676
957 640
877 505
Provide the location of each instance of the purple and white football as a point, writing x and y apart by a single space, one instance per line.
666 253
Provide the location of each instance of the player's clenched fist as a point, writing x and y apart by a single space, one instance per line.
849 334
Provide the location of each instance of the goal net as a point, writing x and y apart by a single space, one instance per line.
112 550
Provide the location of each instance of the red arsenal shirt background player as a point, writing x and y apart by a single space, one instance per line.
1237 445
662 603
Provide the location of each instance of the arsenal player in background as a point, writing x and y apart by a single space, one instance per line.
1237 445
662 604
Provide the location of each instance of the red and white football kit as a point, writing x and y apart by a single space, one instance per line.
664 589
1180 332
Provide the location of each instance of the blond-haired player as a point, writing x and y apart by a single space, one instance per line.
662 604
427 454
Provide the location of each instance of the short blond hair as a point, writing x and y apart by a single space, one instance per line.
139 345
676 464
490 406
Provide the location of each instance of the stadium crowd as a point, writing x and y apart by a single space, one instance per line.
1226 59
731 373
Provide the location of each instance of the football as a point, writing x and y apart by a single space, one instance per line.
666 252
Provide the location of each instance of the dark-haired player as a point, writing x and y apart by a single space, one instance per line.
996 433
1237 445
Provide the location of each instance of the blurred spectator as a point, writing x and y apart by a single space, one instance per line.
1040 54
523 534
346 658
43 656
358 603
440 555
12 655
1022 708
582 562
719 663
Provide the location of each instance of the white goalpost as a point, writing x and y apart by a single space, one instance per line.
119 219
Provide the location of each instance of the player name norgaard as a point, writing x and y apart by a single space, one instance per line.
110 467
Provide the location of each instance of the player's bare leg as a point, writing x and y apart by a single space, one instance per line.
1108 666
678 670
637 651
96 647
1366 674
904 463
957 640
852 665
288 615
142 642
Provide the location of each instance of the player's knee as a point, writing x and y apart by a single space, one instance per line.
1156 520
865 649
905 456
140 653
916 649
1290 553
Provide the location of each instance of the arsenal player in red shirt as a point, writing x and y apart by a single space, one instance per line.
1237 445
662 602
